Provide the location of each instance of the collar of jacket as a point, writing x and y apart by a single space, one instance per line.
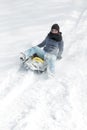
56 37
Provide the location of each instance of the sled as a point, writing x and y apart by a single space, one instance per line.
35 63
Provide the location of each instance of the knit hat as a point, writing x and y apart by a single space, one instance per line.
55 26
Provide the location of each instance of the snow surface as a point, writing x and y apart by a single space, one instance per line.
29 101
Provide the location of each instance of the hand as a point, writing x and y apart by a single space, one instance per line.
59 57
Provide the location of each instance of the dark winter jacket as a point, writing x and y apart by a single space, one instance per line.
53 44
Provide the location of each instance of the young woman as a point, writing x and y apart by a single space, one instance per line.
52 48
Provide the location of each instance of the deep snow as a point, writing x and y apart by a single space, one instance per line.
29 101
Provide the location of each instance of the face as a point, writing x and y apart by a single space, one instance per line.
54 31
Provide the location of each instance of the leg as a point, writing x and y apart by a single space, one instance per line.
51 59
34 50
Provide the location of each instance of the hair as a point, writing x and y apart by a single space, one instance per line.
55 26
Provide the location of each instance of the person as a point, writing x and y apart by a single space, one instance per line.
52 48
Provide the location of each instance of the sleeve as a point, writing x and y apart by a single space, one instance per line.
61 47
43 43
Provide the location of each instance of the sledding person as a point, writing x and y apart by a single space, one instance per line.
52 48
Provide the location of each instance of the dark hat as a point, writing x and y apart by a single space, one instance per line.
55 26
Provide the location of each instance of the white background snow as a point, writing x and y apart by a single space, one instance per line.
28 101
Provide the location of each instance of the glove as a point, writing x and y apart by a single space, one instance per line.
59 57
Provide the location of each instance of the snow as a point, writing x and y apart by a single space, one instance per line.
32 102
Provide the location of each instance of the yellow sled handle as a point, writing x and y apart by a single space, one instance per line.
38 59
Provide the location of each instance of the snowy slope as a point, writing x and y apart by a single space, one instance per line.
30 102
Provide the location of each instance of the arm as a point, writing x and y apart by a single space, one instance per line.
43 43
61 46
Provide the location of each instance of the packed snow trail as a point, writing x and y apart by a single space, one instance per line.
32 102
